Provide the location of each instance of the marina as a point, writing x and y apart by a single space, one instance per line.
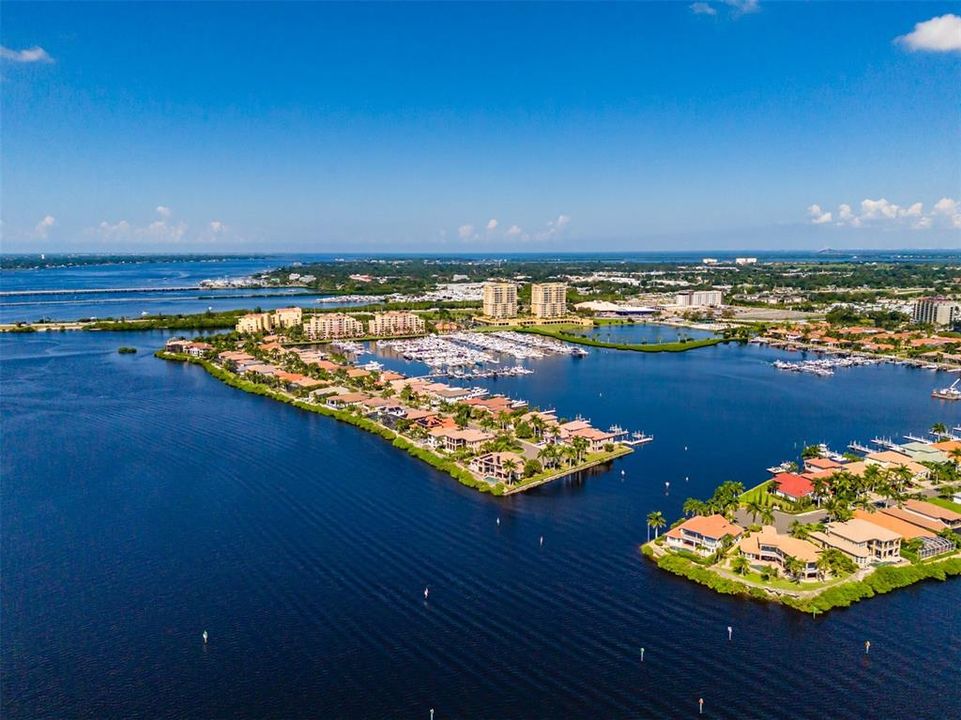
824 367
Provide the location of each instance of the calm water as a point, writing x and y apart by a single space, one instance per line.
143 502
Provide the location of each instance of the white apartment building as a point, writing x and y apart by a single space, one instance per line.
500 299
549 300
323 326
700 298
937 311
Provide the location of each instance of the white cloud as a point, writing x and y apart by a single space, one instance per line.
492 224
939 34
465 231
514 231
818 216
562 221
702 8
882 213
35 54
217 227
42 228
744 7
161 230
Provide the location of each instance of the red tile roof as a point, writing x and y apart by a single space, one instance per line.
793 485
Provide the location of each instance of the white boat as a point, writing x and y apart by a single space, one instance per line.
951 392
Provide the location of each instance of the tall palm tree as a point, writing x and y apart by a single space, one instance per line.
939 429
754 507
655 520
580 446
767 515
510 467
740 565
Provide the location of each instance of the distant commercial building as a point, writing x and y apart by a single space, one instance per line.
395 323
709 261
549 300
252 323
500 299
288 317
936 311
700 298
745 261
325 326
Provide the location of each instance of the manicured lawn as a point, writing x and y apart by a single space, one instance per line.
945 504
758 492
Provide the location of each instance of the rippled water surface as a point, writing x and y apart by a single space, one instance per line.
143 502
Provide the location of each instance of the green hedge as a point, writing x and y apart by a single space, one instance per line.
398 441
702 576
883 580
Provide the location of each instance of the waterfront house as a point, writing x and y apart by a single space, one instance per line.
769 547
454 439
922 452
886 520
791 487
891 460
597 438
384 406
862 541
703 534
187 347
492 465
494 405
339 402
949 517
922 521
821 463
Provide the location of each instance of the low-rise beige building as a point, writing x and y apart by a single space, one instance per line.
395 323
252 323
325 326
288 317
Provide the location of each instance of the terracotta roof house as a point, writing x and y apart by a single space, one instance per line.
929 510
820 463
886 520
347 399
791 486
702 534
770 547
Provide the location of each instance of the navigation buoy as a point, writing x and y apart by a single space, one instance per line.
623 473
686 478
542 541
426 592
642 654
730 631
867 646
432 714
685 447
498 521
700 706
204 636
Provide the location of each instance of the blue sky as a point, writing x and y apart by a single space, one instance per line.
479 127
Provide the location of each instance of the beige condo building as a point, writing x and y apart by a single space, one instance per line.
323 326
253 323
500 299
395 323
549 300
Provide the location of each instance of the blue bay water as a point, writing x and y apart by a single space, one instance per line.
143 502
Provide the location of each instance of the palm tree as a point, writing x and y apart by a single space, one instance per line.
767 515
510 467
793 567
754 507
939 430
537 425
580 446
740 565
655 520
693 506
823 565
799 530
